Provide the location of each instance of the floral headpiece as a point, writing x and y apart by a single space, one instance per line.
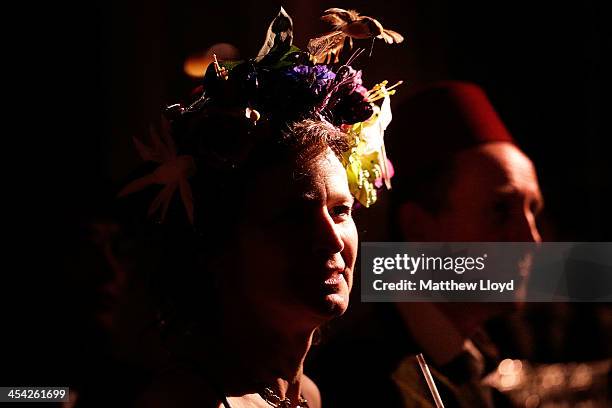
281 85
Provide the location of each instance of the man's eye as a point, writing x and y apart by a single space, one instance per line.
535 207
341 211
502 210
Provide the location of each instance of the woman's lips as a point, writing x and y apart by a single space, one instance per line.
336 277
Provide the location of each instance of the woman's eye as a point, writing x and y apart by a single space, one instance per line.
341 211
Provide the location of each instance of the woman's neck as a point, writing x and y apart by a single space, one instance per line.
251 355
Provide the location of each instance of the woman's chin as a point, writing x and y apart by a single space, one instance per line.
333 303
326 299
337 303
336 290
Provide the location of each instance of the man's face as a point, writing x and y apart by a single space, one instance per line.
494 197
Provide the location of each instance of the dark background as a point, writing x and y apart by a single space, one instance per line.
543 66
82 79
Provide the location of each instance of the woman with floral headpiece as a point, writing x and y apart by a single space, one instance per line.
259 174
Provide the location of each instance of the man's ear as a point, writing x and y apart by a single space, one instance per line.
416 223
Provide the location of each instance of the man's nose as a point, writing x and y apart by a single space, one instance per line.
526 229
327 235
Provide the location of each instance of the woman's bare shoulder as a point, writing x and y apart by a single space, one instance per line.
310 391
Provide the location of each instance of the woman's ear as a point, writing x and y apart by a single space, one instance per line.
416 223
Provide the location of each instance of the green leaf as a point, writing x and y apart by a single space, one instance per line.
278 38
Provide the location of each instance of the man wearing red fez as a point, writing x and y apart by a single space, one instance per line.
459 177
459 173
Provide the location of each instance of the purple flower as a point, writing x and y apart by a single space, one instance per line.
316 78
349 81
347 100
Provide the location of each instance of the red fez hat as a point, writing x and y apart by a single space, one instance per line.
440 119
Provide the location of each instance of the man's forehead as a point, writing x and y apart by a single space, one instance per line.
493 170
499 160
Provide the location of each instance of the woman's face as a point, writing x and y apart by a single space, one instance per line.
298 244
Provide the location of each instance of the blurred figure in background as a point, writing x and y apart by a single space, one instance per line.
460 178
95 295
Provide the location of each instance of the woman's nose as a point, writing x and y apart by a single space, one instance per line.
327 234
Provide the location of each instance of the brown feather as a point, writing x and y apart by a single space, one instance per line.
346 15
347 23
334 20
365 27
397 37
388 39
354 15
322 48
